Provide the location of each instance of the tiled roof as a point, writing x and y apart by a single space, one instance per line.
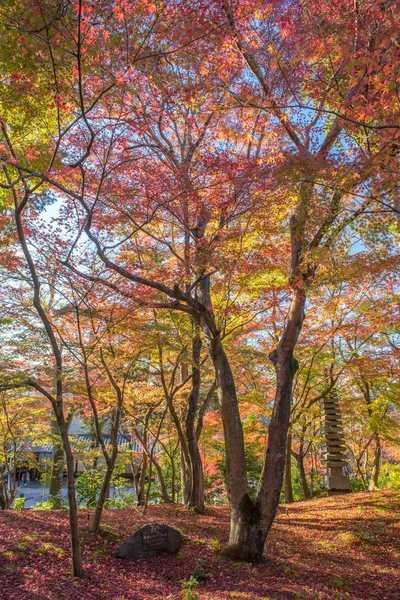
125 442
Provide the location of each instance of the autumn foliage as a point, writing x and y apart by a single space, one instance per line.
200 243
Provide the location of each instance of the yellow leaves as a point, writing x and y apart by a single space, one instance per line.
272 278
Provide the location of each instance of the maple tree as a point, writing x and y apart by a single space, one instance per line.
205 170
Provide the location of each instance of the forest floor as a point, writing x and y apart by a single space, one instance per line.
337 548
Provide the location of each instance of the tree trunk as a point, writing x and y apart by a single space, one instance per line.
274 466
245 513
359 469
104 493
374 481
195 498
288 471
57 469
110 459
56 480
77 570
57 400
164 492
142 481
303 478
186 479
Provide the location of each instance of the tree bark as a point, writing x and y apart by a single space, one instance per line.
244 513
195 498
274 466
304 484
77 570
374 481
104 492
57 468
288 471
56 480
186 479
142 481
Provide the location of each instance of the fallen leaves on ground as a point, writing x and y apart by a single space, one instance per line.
338 548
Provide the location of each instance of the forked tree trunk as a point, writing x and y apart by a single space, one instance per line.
109 458
164 492
257 517
285 368
289 498
299 456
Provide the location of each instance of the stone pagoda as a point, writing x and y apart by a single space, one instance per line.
334 448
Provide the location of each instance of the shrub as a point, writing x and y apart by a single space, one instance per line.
123 500
390 477
356 485
49 505
87 488
19 503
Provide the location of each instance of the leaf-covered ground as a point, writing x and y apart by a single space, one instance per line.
343 547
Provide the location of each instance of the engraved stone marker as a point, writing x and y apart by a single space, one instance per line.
155 540
150 541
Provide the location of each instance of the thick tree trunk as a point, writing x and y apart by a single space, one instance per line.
374 481
288 471
244 513
196 498
252 520
245 536
274 466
